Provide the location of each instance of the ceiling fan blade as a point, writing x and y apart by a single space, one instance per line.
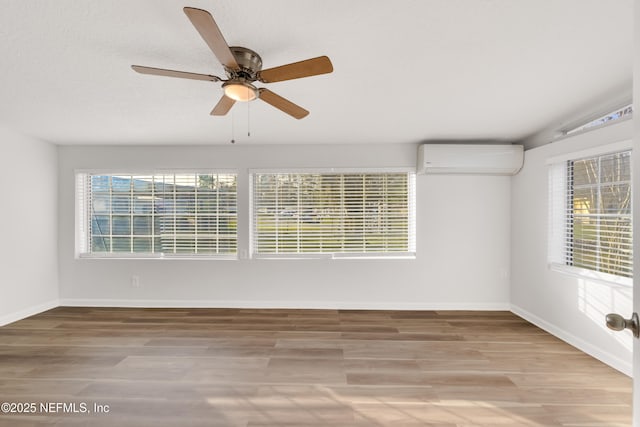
283 104
223 106
172 73
296 70
208 29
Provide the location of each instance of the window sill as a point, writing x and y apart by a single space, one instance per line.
409 256
160 257
596 276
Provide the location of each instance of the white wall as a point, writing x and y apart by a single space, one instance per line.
569 307
463 227
28 226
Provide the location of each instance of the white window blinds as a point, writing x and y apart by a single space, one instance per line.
168 214
333 213
590 213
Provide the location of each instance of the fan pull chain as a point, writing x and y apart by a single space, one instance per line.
248 119
233 128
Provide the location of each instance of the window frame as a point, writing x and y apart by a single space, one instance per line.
412 202
559 203
83 217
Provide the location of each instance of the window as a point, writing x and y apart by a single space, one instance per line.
591 214
621 113
339 214
157 215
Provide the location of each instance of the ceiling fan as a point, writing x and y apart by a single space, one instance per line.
243 67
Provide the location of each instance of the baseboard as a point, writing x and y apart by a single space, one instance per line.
592 350
26 312
330 305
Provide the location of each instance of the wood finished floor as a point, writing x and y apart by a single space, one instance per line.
249 368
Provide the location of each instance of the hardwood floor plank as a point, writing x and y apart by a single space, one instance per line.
431 380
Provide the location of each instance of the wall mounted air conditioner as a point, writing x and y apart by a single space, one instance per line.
482 159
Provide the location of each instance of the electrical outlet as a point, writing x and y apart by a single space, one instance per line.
135 281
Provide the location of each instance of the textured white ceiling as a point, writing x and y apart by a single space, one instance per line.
405 71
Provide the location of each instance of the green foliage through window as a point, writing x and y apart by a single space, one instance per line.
350 213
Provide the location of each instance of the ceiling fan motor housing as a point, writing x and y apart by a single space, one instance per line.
249 61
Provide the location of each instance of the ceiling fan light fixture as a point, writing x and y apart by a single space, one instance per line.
240 91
